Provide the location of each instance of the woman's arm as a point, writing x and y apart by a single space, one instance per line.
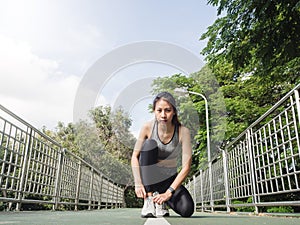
186 158
139 187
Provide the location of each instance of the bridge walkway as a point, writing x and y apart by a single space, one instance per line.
132 217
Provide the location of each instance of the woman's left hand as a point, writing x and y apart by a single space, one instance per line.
161 198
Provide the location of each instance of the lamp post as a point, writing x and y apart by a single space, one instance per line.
208 142
206 118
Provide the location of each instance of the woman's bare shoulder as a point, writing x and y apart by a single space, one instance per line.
184 129
184 132
147 128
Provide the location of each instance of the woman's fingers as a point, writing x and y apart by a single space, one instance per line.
140 192
160 198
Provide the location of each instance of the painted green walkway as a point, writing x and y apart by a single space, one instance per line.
132 217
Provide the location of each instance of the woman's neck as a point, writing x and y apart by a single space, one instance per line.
166 128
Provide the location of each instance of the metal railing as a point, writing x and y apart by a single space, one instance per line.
261 167
36 169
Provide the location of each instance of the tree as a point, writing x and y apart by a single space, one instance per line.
66 135
260 38
105 142
118 142
113 130
253 51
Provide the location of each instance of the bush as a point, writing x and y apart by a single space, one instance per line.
280 209
244 208
131 200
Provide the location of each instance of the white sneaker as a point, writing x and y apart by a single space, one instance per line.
148 208
161 210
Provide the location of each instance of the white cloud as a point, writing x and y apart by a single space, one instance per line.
62 30
33 87
83 45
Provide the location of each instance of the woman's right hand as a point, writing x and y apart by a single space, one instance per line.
140 191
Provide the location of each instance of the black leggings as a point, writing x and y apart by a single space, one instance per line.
159 179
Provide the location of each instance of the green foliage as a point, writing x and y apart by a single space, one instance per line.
131 200
280 209
244 208
206 83
258 37
105 142
66 136
113 131
253 51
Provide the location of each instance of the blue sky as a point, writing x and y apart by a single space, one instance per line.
47 46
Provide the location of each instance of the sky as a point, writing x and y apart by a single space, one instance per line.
48 47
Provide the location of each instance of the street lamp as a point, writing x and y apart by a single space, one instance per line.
208 143
206 118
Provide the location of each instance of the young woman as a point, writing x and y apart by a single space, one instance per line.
160 145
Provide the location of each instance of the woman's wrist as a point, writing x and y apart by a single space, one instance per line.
171 190
138 185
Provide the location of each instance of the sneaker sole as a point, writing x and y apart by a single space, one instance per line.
165 215
149 215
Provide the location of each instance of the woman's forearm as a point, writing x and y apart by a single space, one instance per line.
136 170
181 177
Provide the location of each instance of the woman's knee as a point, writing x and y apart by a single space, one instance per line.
186 206
187 211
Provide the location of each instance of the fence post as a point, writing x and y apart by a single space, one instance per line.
24 170
112 195
58 179
252 169
122 197
226 181
117 196
297 100
201 190
91 188
100 195
78 186
107 192
122 201
194 192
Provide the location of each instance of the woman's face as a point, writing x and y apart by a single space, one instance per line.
164 111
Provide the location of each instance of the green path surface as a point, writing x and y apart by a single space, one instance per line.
231 219
132 217
112 216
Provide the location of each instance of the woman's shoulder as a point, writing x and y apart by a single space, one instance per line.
184 128
183 132
147 128
148 124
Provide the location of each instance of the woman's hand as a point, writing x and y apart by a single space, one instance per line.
161 198
140 191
